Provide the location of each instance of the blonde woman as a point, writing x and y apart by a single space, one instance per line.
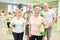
34 25
17 26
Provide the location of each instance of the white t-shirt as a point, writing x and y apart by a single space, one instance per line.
19 25
49 15
35 24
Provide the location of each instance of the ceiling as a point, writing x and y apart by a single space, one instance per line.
26 1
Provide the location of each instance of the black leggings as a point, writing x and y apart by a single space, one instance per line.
33 37
18 36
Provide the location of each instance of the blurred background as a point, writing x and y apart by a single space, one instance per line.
13 5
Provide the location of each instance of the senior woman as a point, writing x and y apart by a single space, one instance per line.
34 25
17 26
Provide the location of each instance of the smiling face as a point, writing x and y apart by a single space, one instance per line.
36 11
19 13
46 6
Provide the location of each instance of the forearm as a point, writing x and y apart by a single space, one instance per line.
53 21
29 28
44 25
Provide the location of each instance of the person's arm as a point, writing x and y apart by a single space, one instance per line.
30 27
10 29
54 19
25 22
44 22
25 17
29 30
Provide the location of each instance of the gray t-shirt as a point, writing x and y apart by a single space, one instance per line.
29 13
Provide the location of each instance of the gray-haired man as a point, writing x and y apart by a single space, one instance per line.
50 18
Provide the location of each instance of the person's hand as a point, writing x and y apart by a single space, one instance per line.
50 26
29 35
44 27
10 29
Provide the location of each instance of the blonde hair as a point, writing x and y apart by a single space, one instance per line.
19 11
37 8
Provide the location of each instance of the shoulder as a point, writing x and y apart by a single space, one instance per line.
52 11
26 11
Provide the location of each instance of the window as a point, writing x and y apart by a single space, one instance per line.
12 8
15 7
25 8
9 8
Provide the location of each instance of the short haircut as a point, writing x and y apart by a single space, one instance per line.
37 8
